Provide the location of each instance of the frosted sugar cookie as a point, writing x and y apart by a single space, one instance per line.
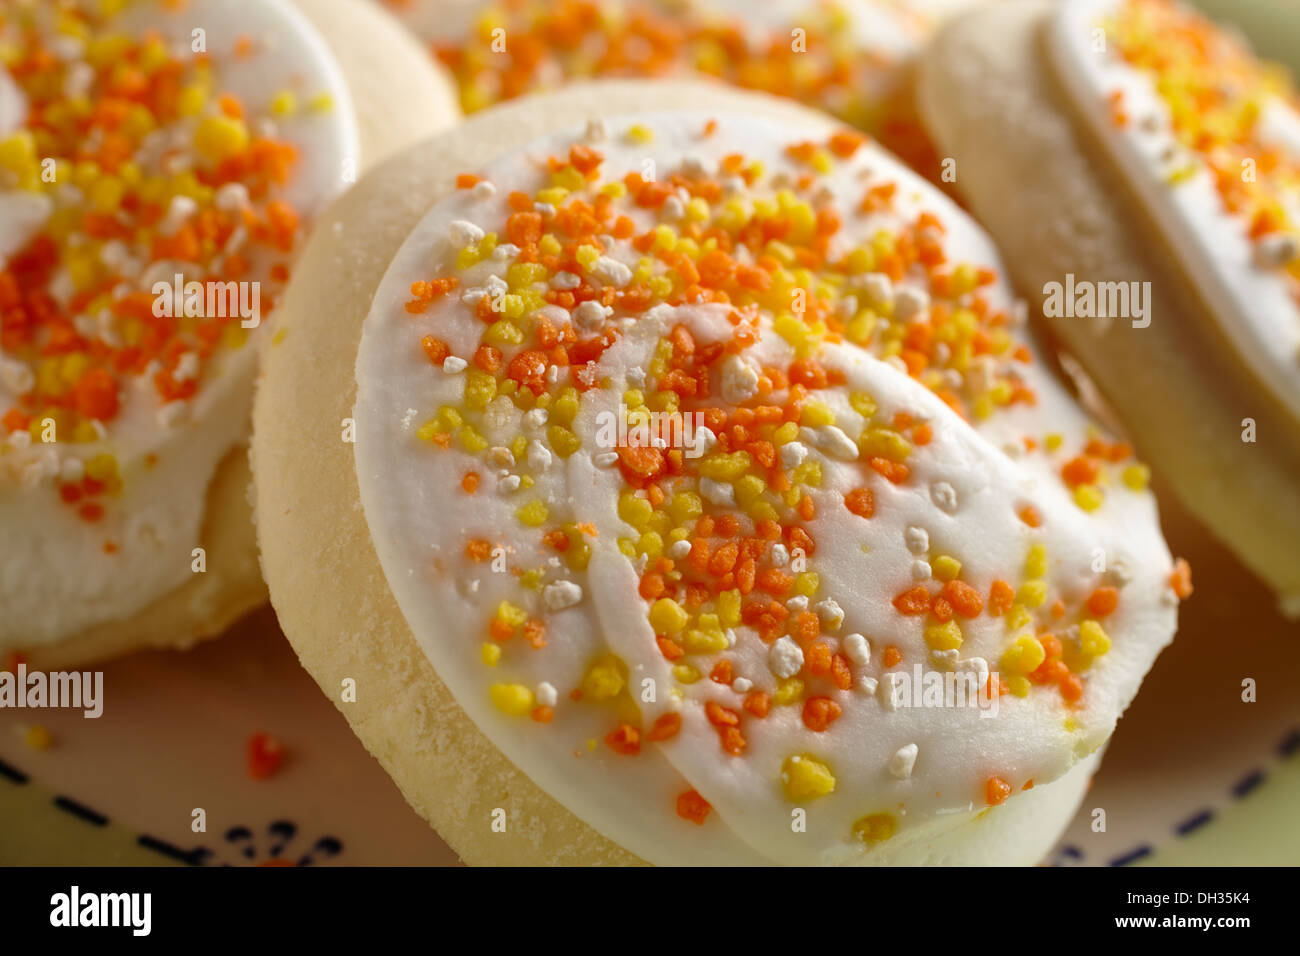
849 57
160 164
652 479
1141 170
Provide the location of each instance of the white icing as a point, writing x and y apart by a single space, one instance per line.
55 575
419 535
1256 308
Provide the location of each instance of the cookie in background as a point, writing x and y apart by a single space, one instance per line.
1140 168
849 57
160 166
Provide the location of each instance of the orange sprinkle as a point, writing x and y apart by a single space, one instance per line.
1180 579
819 713
624 739
665 727
693 807
996 791
1103 601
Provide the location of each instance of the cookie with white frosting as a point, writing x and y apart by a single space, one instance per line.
1141 170
683 486
160 166
849 57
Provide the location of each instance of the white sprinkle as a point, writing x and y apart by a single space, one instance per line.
867 685
679 550
535 418
509 484
546 694
977 666
739 380
544 209
836 444
179 212
507 250
454 365
785 658
857 649
606 458
831 614
499 456
798 603
918 540
232 197
187 367
742 685
590 315
484 189
793 453
717 492
596 130
72 469
16 377
565 280
780 555
947 659
889 697
878 287
539 456
560 595
611 272
904 759
463 232
909 302
921 569
944 495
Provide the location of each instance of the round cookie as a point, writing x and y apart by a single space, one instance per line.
1118 183
463 752
849 57
106 533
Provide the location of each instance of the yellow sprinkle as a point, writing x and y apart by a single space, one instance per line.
1036 562
686 674
806 778
491 654
1032 593
875 827
1136 477
220 137
945 568
944 637
1088 497
513 699
605 677
788 691
1025 656
38 737
533 514
1093 639
667 616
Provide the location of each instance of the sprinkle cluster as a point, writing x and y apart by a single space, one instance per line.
1216 92
722 543
135 166
520 46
